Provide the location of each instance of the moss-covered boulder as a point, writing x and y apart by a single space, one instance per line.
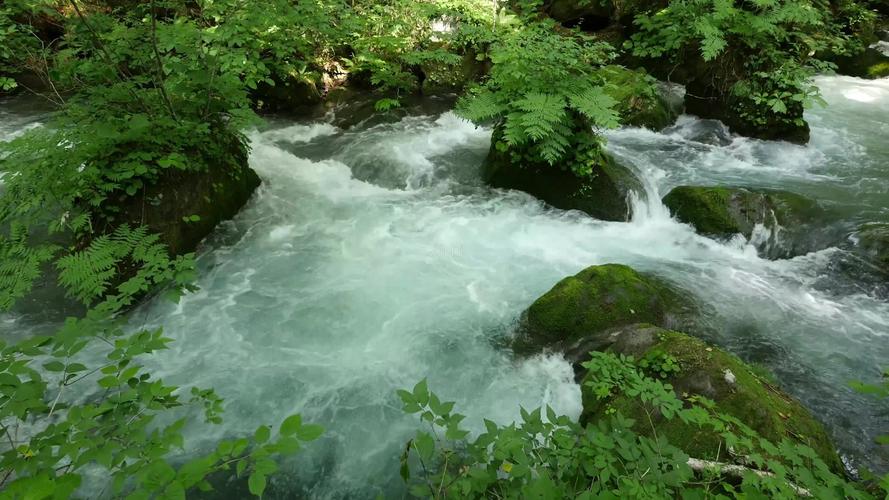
604 193
185 206
570 11
704 370
287 95
794 224
595 300
640 102
873 242
868 63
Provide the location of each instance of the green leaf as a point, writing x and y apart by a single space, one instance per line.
421 393
291 425
310 432
54 366
425 445
256 483
262 434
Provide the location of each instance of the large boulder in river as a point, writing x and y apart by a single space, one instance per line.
604 193
695 368
868 63
597 299
792 224
185 206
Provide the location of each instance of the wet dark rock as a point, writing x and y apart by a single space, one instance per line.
869 63
291 94
873 243
213 194
603 194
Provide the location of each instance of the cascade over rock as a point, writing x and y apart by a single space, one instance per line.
707 371
795 224
603 194
595 300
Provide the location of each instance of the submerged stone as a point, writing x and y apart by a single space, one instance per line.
792 224
873 242
594 300
705 370
604 193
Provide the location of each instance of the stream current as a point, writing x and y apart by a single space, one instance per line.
374 257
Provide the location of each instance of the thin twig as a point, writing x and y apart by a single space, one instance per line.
699 465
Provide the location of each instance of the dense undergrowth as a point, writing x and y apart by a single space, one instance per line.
149 91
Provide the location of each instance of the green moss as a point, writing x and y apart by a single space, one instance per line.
750 398
721 212
594 300
706 208
878 70
639 102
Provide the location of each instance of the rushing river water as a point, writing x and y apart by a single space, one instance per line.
375 257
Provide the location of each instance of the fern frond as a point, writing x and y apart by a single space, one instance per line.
20 265
479 107
542 112
597 105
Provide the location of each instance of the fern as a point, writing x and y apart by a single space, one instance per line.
20 265
597 105
541 113
480 106
87 275
542 91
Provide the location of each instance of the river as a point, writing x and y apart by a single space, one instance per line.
374 257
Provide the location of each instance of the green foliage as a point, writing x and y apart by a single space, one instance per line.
148 91
543 91
760 51
659 363
550 456
56 435
402 45
88 274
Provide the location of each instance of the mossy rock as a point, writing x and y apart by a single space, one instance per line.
286 95
594 300
868 63
185 206
604 193
439 78
640 103
722 212
567 11
706 101
873 242
708 371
